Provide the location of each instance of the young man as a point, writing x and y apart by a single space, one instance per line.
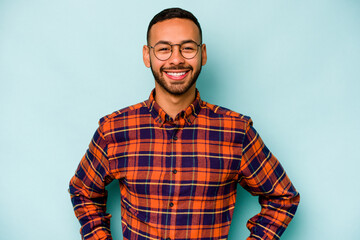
179 159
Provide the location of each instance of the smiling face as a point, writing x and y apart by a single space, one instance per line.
176 75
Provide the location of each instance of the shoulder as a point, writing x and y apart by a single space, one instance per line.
219 111
114 120
231 122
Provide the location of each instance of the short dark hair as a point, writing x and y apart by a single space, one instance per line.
170 13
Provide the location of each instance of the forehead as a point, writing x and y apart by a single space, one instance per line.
174 30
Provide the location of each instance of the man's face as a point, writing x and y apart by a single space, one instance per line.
177 74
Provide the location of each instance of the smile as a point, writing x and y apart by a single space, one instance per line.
177 75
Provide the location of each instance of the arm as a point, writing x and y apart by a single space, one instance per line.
87 190
262 175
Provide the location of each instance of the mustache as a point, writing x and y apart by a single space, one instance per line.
176 68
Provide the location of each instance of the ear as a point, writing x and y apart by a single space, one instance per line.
146 56
203 54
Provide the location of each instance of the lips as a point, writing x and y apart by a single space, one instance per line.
176 75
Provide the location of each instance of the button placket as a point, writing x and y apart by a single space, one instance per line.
174 136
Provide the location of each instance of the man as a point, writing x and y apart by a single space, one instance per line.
179 159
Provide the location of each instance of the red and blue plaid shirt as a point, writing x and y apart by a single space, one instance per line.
178 177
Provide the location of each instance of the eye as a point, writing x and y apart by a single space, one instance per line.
163 48
188 47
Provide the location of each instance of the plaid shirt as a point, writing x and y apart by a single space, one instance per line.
178 177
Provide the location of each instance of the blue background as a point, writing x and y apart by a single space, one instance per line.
293 66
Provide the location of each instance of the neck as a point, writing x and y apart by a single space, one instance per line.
173 104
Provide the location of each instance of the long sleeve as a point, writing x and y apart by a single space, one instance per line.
87 190
262 175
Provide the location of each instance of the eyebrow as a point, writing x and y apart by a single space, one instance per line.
168 42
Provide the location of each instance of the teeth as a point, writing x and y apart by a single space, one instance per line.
176 74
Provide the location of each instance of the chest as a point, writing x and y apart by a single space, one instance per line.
151 154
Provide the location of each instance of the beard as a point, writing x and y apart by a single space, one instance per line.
175 89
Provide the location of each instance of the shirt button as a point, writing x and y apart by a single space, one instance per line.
175 138
174 171
171 204
168 239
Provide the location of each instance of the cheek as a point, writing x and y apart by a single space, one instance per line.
155 65
196 64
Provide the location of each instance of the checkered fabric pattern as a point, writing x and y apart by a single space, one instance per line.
178 177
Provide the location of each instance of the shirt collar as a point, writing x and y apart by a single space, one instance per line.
185 117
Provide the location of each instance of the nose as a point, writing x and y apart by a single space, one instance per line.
176 58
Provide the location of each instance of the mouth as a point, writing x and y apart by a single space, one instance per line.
177 75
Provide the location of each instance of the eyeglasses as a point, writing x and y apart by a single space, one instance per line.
163 51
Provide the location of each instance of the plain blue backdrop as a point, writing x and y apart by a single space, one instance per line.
293 66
